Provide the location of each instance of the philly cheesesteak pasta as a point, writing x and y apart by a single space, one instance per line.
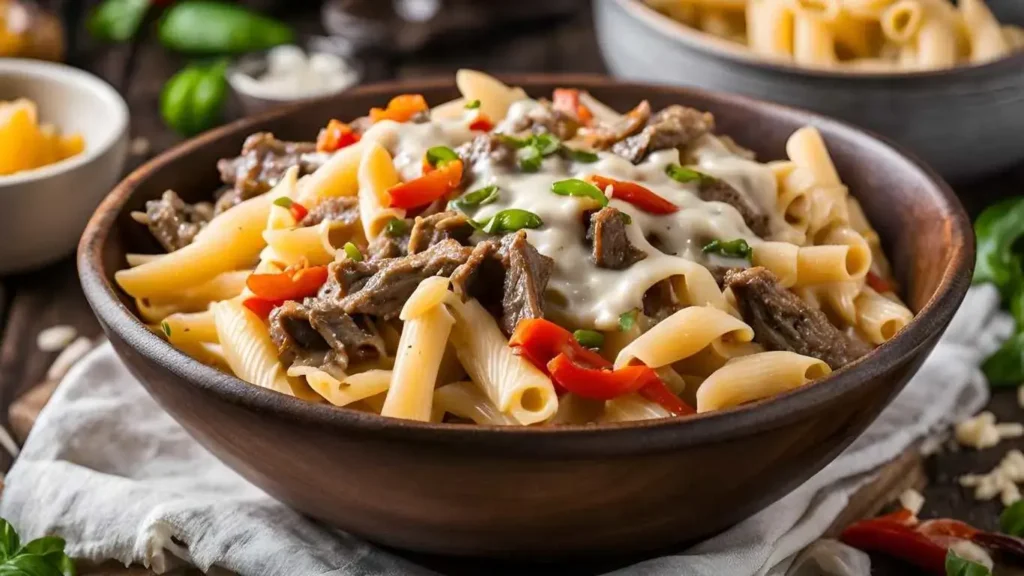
510 261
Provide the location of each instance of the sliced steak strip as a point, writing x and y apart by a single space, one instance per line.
482 270
174 222
347 276
717 190
544 119
385 246
782 321
429 230
485 147
611 247
354 335
343 209
603 135
263 161
526 277
298 343
673 127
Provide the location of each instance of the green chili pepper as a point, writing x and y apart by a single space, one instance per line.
997 230
577 187
396 227
193 99
581 156
472 105
205 27
117 20
683 175
441 155
352 251
589 338
511 220
737 248
476 198
627 320
530 159
958 566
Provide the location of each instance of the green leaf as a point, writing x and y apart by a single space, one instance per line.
9 541
66 566
472 105
511 220
396 228
530 159
997 230
479 197
284 202
589 338
581 156
683 175
352 251
1011 521
117 20
627 320
579 188
32 565
44 546
737 248
440 155
1006 367
958 566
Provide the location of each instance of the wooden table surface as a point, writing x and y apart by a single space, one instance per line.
31 302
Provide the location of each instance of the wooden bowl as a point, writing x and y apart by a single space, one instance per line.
541 492
965 122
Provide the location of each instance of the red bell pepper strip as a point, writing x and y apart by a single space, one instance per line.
540 341
481 123
400 109
261 307
636 195
335 136
432 185
298 211
656 391
899 541
567 100
597 383
288 285
877 283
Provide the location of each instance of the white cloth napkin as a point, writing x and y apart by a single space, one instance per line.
113 474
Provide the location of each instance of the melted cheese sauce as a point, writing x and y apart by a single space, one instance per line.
580 294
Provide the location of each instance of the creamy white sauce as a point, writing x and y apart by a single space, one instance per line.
580 294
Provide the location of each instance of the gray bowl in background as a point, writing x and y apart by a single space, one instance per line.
965 122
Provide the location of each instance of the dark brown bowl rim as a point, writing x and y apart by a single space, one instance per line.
551 442
680 32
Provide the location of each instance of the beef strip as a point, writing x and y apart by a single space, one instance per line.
383 293
782 321
353 334
527 272
385 246
298 343
545 119
660 301
486 147
174 222
674 127
717 190
262 162
343 209
611 247
430 230
482 271
347 276
603 135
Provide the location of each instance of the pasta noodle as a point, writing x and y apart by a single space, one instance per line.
756 377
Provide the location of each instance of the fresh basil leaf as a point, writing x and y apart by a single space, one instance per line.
472 105
352 251
627 320
581 156
683 175
589 338
511 220
440 155
9 541
579 188
737 248
958 566
396 228
1005 367
476 198
529 158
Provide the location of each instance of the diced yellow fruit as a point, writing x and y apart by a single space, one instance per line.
25 145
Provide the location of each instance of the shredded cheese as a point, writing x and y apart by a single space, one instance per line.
1001 481
912 500
982 431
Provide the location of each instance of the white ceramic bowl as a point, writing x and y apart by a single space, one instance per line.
43 211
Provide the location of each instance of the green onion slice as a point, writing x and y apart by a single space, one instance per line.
530 159
511 220
684 175
737 248
352 251
589 338
441 155
396 227
581 156
627 320
476 198
472 105
284 202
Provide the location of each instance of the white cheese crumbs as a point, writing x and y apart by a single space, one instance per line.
1001 481
912 500
68 357
55 338
982 431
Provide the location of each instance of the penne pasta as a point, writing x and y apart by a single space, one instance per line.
756 377
376 175
683 334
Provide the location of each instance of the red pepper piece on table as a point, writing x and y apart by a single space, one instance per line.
400 109
432 185
335 136
898 540
288 285
636 195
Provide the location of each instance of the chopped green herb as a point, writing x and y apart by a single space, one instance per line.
589 338
352 251
959 566
627 320
284 202
581 156
441 155
396 228
41 557
476 198
684 175
530 159
472 104
166 328
737 248
511 220
580 188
